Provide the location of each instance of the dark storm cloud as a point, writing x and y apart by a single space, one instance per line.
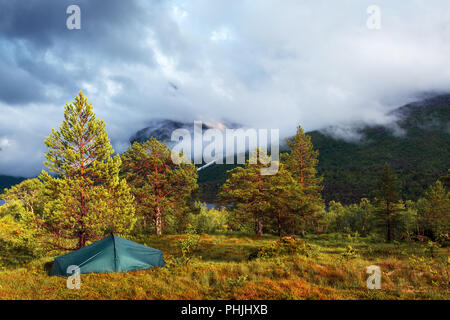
34 21
18 86
264 64
42 50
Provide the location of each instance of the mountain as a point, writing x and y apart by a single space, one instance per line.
417 146
8 181
162 129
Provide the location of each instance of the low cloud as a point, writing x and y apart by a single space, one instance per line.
265 64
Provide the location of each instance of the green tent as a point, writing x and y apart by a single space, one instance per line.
111 254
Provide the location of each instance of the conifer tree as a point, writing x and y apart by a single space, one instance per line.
29 192
285 200
446 179
434 211
302 162
267 199
388 206
159 185
86 197
244 190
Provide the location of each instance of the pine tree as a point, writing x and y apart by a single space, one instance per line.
244 192
434 211
446 179
29 192
285 198
267 199
302 162
388 206
86 198
159 185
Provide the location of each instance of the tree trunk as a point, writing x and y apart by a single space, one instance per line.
259 225
82 240
292 226
279 226
389 231
388 222
158 221
83 212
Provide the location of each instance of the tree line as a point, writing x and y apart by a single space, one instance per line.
89 191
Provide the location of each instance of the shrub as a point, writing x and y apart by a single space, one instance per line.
350 252
285 246
444 240
188 246
16 242
432 249
237 282
209 220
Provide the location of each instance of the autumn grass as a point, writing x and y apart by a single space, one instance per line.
221 270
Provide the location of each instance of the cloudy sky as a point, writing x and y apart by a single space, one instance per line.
261 63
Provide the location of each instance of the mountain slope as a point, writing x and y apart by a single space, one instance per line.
8 181
162 129
419 155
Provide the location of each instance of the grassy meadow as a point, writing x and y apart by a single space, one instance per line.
331 266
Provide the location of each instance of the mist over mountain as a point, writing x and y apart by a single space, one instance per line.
416 145
162 129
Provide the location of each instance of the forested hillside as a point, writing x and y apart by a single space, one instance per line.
8 181
418 151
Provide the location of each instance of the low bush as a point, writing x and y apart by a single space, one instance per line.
285 246
188 246
432 249
17 242
350 252
209 220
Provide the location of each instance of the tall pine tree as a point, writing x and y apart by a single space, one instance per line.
285 199
86 197
434 212
159 185
245 191
302 162
388 206
266 199
446 179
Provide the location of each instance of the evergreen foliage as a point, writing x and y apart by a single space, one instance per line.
160 186
388 206
86 199
434 212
